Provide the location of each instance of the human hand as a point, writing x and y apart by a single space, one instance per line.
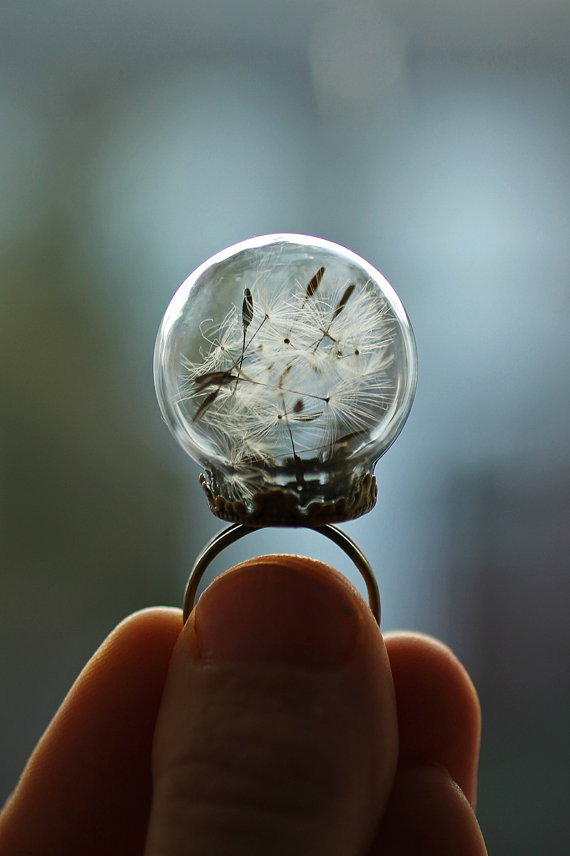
283 724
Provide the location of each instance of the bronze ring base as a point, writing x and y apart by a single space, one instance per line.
238 530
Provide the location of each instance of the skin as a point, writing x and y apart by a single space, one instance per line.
278 720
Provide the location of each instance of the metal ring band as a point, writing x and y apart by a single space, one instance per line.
238 530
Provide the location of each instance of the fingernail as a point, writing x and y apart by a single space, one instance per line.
285 610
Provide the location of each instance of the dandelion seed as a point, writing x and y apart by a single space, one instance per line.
284 374
343 300
205 404
314 282
247 309
210 378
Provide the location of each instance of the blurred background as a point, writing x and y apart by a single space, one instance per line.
432 138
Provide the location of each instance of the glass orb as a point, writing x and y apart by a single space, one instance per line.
286 366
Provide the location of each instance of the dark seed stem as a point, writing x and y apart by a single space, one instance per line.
299 474
246 318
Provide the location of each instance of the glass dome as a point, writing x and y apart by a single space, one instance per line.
286 366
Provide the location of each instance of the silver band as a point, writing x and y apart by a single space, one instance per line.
238 530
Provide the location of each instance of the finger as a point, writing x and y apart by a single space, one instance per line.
439 717
439 722
277 730
428 814
87 786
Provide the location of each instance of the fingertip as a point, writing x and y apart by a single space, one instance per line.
429 814
439 715
146 631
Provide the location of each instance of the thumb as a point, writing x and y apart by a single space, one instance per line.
277 729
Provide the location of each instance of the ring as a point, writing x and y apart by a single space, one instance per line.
236 531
